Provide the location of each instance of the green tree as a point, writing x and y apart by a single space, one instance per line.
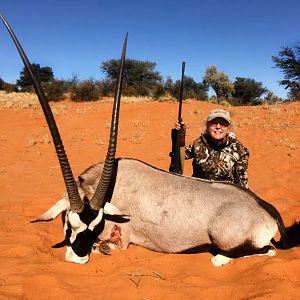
43 74
2 83
247 90
191 89
219 82
169 85
288 61
140 77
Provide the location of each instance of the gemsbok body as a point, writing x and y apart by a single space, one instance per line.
123 201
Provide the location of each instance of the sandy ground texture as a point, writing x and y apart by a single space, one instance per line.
31 182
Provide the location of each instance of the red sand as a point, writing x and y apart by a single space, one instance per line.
32 182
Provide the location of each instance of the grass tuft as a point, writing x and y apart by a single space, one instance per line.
18 100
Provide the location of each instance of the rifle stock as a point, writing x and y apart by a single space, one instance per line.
178 137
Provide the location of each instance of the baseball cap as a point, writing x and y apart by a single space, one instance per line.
219 113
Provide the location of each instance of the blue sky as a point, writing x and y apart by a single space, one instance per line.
75 37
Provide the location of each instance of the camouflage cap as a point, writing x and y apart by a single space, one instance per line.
219 113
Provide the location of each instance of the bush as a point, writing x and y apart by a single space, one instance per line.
87 90
55 90
7 87
106 88
236 101
225 102
191 89
158 91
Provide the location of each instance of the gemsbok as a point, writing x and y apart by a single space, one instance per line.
123 201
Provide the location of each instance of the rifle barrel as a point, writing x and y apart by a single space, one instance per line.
181 91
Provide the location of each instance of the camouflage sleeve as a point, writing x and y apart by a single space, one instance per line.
241 167
189 151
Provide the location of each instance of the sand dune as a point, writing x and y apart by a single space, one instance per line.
31 183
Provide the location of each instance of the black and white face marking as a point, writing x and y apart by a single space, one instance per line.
81 232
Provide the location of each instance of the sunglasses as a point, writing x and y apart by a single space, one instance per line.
221 121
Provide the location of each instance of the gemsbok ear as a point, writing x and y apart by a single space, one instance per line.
112 210
54 211
60 244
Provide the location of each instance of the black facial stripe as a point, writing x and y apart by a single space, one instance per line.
88 215
68 234
84 241
82 245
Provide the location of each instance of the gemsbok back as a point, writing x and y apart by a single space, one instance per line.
123 201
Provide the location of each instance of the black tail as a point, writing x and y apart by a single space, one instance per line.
290 238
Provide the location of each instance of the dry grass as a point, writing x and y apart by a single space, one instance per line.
212 101
195 111
18 100
137 138
60 109
99 141
225 103
126 99
146 124
288 143
133 99
123 137
244 123
36 139
283 114
167 98
27 100
135 123
136 278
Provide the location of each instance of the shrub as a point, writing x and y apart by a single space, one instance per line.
225 102
106 87
55 90
191 89
7 87
158 91
87 90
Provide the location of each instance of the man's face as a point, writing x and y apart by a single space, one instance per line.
218 128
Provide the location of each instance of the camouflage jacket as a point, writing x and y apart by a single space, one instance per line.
225 162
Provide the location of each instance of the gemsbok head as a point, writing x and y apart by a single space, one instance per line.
83 220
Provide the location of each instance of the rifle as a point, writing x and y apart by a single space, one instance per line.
178 137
